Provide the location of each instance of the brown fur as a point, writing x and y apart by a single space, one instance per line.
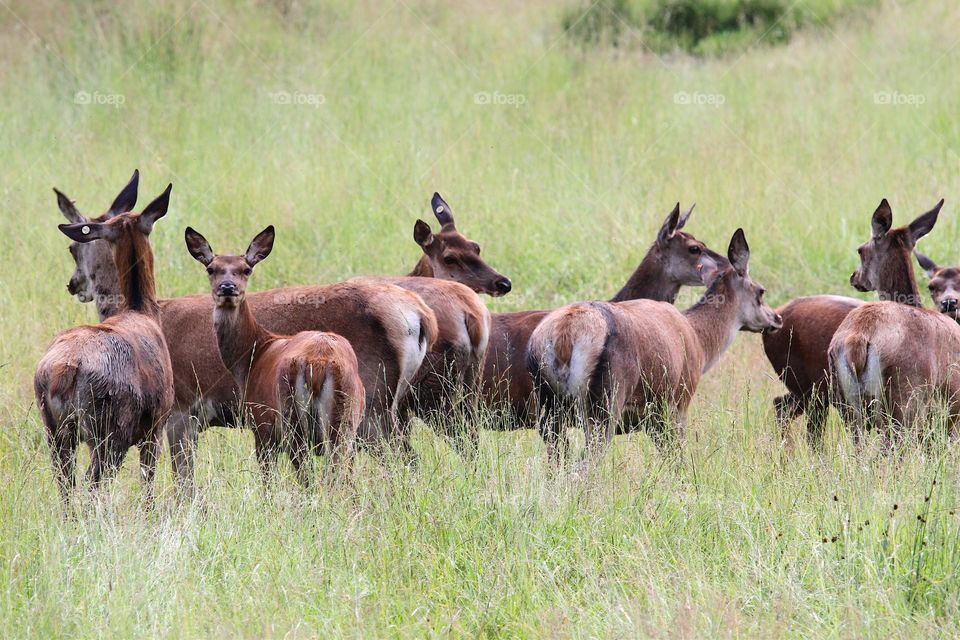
899 356
303 391
452 366
668 264
622 364
110 385
798 353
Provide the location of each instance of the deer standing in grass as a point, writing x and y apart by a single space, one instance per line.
448 277
303 391
675 259
639 362
892 360
390 329
798 353
110 385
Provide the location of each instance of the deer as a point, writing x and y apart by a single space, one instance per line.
302 391
626 364
893 357
449 276
390 329
675 259
110 385
798 353
943 284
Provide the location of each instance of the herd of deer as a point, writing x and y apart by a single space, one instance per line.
318 369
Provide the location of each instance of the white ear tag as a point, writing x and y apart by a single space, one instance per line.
440 209
84 229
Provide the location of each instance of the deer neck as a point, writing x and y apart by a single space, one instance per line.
240 338
899 283
423 268
714 321
134 260
649 281
106 299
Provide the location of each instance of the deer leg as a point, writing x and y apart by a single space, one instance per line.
816 407
301 431
786 408
182 431
266 447
63 452
149 453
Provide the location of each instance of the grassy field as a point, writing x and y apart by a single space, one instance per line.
335 123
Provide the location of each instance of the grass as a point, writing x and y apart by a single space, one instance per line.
562 163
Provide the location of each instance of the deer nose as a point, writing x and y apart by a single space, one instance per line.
503 286
948 305
227 289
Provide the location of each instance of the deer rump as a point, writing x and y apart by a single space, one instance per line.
113 373
390 330
625 359
898 356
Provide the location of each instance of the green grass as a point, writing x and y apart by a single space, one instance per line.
564 189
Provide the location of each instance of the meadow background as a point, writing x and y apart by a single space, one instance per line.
560 154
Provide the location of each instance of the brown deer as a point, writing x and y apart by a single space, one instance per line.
798 353
674 259
448 277
389 328
303 392
110 385
639 361
891 356
944 286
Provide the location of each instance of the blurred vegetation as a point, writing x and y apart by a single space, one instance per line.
700 27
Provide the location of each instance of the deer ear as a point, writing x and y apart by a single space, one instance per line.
422 234
88 231
442 210
739 252
924 223
684 217
198 246
882 219
261 246
670 225
68 209
126 200
929 266
154 211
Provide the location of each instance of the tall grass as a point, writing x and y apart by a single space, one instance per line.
335 122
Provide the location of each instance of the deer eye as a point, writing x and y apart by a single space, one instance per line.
210 271
449 260
695 250
246 271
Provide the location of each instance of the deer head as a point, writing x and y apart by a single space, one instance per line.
95 275
684 259
452 256
885 263
733 284
229 274
944 286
